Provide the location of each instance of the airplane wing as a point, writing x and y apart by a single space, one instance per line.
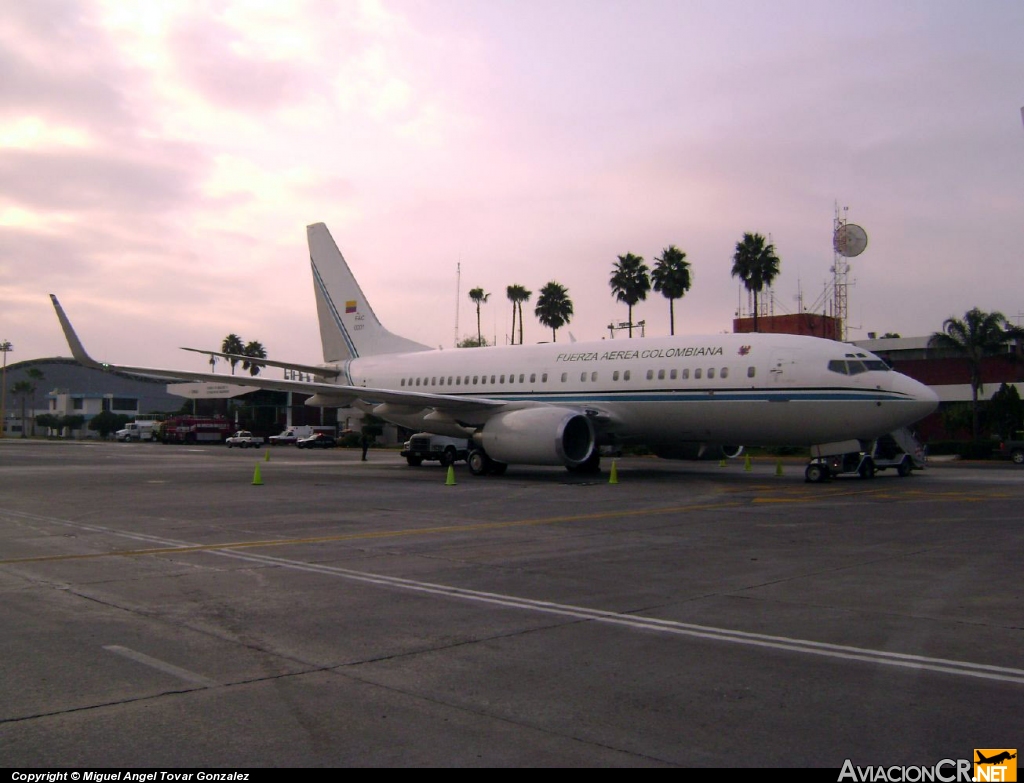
332 394
322 371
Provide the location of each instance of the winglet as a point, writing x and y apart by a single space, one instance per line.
73 342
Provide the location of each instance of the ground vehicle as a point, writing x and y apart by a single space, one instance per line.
290 435
244 439
898 449
194 429
318 440
1013 449
424 446
138 430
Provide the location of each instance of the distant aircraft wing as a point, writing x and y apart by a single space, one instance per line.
331 394
312 369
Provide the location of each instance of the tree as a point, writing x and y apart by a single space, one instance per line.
232 344
106 423
472 342
479 297
978 335
35 378
254 350
23 389
71 423
554 308
756 264
517 294
630 282
48 421
1005 412
671 277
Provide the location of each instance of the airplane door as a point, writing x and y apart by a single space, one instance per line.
783 367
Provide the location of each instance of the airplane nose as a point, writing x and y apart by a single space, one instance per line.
922 400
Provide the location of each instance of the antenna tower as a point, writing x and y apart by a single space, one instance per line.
458 283
848 241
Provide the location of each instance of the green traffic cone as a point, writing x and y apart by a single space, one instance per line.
257 480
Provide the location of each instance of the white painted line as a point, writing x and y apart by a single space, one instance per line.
808 647
880 657
166 668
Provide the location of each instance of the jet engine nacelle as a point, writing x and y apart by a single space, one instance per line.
539 436
698 451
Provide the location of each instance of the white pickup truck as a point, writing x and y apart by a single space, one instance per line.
244 439
424 446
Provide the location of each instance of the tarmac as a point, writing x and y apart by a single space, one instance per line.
159 609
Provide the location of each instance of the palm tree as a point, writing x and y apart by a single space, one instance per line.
23 389
517 294
978 335
630 282
671 276
554 308
35 376
232 344
254 350
479 297
756 264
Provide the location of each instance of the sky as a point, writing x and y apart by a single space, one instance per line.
159 162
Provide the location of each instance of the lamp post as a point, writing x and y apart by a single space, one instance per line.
6 348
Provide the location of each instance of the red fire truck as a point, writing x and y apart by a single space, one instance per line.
194 429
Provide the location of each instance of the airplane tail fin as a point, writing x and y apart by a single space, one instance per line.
348 326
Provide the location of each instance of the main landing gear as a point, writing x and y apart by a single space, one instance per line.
480 464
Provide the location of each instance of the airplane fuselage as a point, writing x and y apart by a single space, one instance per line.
726 388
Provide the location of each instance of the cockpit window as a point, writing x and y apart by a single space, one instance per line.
854 367
837 365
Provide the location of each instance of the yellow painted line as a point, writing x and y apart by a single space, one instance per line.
376 535
783 495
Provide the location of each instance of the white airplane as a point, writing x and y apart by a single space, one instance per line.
552 404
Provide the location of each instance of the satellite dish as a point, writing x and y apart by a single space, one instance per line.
850 240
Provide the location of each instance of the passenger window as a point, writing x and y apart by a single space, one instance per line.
433 381
533 377
650 375
696 374
476 379
403 381
583 377
417 381
458 379
661 375
565 377
502 379
521 376
751 372
686 374
449 380
492 379
544 378
672 374
724 373
593 376
711 373
625 375
615 375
